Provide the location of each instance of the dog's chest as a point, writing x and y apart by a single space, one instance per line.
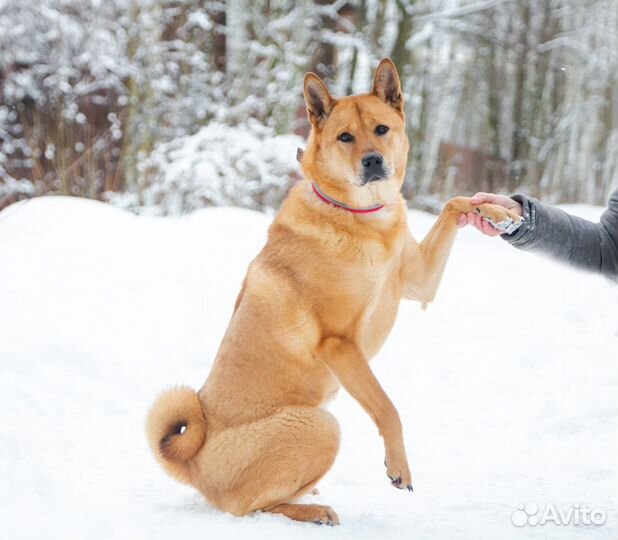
371 288
380 312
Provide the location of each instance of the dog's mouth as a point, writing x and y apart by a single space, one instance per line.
374 178
366 178
365 181
382 174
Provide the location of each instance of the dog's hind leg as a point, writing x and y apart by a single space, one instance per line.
266 465
317 513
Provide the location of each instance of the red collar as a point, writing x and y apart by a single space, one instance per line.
338 204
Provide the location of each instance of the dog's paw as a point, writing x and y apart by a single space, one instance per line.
399 476
324 515
502 219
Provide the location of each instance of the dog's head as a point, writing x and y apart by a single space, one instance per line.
358 148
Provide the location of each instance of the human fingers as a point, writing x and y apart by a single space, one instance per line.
482 197
489 229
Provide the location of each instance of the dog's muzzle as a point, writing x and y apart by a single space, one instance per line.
373 169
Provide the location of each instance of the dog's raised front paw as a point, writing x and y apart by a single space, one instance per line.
502 219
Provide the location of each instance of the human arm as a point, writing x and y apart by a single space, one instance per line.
566 238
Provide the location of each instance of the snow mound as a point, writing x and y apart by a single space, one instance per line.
506 386
219 165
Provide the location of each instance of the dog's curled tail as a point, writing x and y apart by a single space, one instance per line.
176 430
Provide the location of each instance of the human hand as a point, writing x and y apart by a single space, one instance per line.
482 224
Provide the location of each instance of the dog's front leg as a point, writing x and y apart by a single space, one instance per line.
348 363
423 264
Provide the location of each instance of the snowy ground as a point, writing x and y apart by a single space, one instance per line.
506 386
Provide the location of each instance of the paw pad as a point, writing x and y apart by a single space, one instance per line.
507 225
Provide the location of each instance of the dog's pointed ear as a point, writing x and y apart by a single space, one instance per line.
386 85
318 99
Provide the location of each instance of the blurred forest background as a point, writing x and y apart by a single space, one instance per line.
167 106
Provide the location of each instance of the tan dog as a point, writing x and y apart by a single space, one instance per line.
316 305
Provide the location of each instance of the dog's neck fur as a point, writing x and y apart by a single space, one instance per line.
343 206
306 215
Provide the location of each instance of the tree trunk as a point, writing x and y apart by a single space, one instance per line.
519 138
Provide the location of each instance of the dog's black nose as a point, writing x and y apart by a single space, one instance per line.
373 167
372 160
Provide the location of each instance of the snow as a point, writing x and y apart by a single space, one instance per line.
221 165
506 385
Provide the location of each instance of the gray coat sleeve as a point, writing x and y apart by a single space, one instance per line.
570 239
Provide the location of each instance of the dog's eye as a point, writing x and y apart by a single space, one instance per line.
346 137
381 130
